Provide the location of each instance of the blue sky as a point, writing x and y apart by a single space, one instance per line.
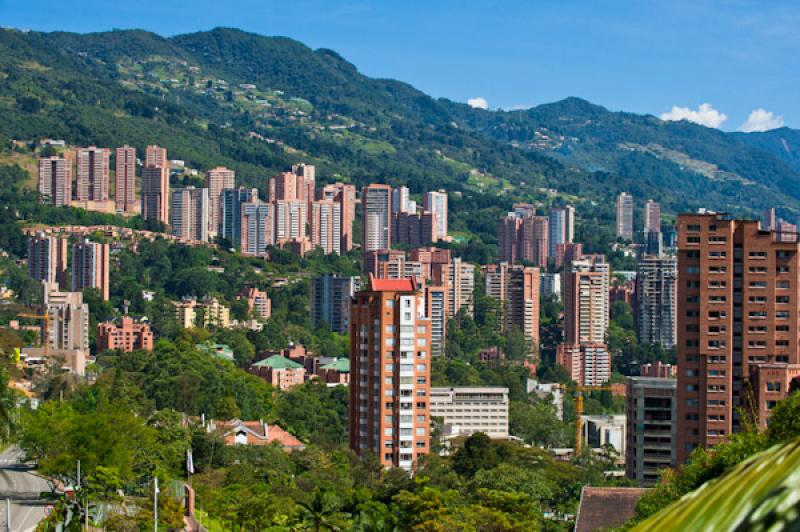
737 56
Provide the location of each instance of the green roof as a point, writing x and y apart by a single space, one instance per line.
342 365
277 362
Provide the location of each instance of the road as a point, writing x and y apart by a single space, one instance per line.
23 488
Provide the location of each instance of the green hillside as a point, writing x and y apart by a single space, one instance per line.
258 104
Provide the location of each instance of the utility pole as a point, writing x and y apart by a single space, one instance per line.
8 515
155 504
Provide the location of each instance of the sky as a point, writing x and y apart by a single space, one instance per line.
732 64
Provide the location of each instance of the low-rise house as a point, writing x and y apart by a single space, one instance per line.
129 335
237 432
337 372
279 371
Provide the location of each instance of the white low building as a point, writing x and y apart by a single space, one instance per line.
467 410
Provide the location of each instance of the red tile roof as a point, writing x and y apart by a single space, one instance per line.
606 508
392 285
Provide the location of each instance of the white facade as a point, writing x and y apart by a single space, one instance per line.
467 410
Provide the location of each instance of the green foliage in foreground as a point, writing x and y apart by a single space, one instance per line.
705 465
761 493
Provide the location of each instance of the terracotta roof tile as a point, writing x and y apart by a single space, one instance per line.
605 508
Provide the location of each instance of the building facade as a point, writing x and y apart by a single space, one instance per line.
436 203
230 217
125 189
55 180
625 216
467 410
128 336
517 288
190 213
47 259
652 413
737 308
91 179
331 296
90 267
217 180
390 372
656 300
376 205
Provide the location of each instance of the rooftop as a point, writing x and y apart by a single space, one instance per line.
342 365
392 285
277 362
606 508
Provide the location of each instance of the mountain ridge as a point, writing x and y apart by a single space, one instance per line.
368 128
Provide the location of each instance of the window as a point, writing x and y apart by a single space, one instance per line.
714 239
692 417
717 299
692 343
782 315
773 386
717 314
716 284
758 299
758 269
389 329
782 343
694 228
692 313
758 254
422 342
783 254
693 299
389 303
718 269
757 315
692 403
781 299
717 255
782 269
758 284
693 269
691 387
421 329
691 373
783 285
693 239
693 254
771 404
782 328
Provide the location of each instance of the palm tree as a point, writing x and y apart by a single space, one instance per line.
323 512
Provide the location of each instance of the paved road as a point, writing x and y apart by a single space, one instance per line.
23 488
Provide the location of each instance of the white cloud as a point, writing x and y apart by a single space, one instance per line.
761 120
705 115
478 103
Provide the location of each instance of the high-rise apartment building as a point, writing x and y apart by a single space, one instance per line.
560 227
657 300
586 309
376 205
90 267
91 179
156 156
217 180
257 228
155 185
586 312
652 217
291 220
517 288
588 363
345 196
436 203
190 212
55 180
47 259
414 229
651 415
390 341
458 278
551 285
125 189
230 220
308 174
625 216
326 226
436 312
402 202
737 310
69 322
523 236
331 296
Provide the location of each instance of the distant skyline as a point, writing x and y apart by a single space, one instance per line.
732 65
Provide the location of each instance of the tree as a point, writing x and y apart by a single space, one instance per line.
323 512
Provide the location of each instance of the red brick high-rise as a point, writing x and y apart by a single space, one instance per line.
125 190
737 310
390 355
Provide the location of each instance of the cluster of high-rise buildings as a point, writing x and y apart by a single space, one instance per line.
525 237
88 263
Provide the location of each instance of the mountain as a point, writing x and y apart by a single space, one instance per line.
257 104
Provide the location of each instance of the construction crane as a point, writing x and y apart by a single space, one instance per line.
45 333
579 412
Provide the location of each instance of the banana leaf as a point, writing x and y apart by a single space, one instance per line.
760 494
